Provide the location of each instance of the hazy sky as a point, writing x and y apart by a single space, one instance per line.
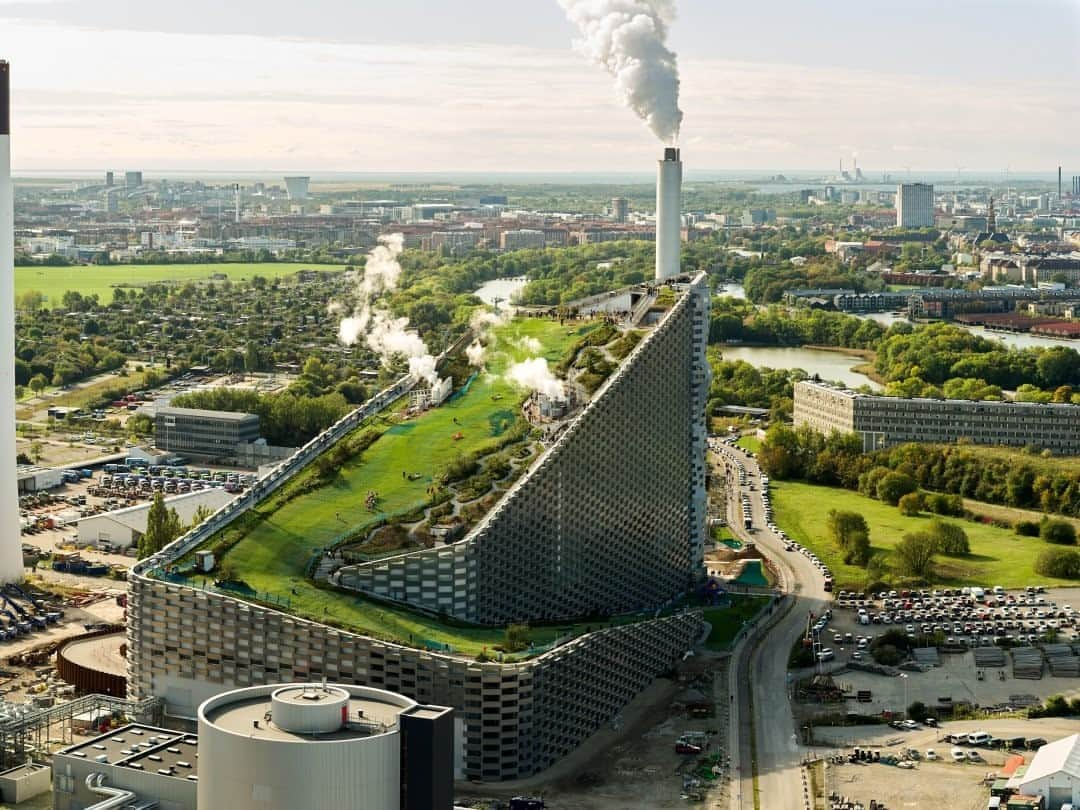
489 85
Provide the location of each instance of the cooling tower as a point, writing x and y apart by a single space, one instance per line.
11 567
668 214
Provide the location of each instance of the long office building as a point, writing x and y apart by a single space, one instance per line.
203 433
610 518
914 205
886 421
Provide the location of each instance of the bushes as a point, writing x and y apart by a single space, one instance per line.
1063 563
941 504
950 538
1060 532
1026 528
911 504
851 533
915 554
895 485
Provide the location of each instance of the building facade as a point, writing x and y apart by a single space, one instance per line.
621 491
886 421
628 531
914 205
203 433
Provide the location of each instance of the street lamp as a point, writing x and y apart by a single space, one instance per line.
904 678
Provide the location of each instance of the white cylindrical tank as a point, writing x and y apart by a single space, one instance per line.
11 565
668 214
257 749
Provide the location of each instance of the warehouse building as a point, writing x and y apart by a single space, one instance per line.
886 421
123 527
1054 774
197 432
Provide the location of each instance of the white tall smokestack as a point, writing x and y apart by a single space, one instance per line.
668 214
11 567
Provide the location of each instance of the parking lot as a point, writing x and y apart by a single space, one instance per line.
978 668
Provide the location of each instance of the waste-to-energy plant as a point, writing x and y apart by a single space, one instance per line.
609 519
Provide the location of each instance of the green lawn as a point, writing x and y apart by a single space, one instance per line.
53 282
728 621
273 556
750 443
998 557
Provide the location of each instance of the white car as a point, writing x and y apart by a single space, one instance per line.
826 655
931 754
958 755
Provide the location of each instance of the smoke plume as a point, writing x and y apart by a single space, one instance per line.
535 375
387 336
627 38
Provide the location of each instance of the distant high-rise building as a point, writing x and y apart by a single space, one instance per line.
297 187
914 205
1076 185
620 209
109 179
133 179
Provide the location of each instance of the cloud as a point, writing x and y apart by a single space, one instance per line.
175 114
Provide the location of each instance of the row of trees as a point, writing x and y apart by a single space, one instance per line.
163 525
838 460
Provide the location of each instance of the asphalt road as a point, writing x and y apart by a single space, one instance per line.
762 662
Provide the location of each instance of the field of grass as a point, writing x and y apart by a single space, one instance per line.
273 556
998 557
53 282
750 443
728 621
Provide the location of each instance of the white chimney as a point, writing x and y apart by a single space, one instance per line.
11 567
668 214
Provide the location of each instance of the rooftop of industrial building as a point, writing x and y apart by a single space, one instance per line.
145 748
253 717
202 413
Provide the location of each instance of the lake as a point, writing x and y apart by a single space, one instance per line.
832 366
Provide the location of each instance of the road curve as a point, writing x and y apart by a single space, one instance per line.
763 667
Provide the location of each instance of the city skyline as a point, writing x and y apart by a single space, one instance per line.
435 90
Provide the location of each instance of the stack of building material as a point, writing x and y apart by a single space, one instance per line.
989 657
927 655
1027 663
1062 660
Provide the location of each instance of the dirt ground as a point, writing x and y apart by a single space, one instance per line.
928 782
636 765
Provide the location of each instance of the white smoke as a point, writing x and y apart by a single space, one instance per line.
481 323
477 353
535 375
627 38
529 344
387 336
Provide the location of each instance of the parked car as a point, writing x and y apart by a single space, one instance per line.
958 755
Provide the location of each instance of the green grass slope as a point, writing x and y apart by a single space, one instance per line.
998 557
